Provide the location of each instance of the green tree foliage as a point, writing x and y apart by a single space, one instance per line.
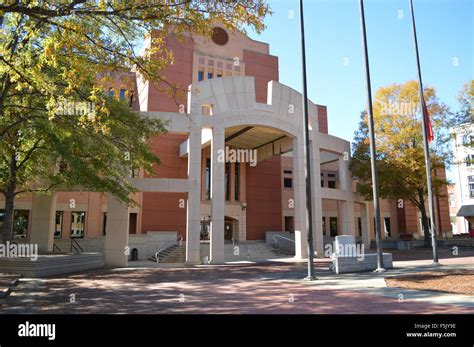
55 53
399 144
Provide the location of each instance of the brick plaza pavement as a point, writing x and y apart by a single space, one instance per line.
243 288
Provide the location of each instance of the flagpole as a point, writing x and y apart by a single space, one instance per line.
373 165
426 146
309 209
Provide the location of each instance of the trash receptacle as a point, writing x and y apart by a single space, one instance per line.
134 254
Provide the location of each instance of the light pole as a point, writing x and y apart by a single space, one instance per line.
309 209
373 163
426 146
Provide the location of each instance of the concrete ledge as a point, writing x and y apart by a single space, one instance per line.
51 265
355 264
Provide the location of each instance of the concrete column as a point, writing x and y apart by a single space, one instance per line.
217 196
301 250
116 239
317 204
43 217
193 217
364 219
346 209
345 176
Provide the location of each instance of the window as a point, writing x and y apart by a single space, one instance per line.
237 182
452 201
205 228
324 226
78 224
227 181
469 160
131 99
219 75
111 92
467 140
200 75
208 178
332 180
58 224
134 172
20 223
288 178
470 179
333 226
471 190
388 229
289 224
122 94
210 75
359 226
104 226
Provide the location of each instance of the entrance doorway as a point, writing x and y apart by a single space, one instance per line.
289 224
228 229
132 225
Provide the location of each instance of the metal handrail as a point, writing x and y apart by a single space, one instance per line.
77 247
168 245
282 237
56 248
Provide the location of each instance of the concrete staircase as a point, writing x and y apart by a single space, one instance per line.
280 250
7 282
173 254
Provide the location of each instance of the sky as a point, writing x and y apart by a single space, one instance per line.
335 65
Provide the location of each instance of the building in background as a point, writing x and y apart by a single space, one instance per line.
462 194
241 77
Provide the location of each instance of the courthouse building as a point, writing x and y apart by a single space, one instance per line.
235 106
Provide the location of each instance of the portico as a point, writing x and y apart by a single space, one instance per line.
224 112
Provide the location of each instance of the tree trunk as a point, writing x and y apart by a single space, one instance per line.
426 226
7 232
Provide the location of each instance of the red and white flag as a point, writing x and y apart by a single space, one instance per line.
428 123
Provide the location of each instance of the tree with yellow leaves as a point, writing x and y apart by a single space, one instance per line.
399 147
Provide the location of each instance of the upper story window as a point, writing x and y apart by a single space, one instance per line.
122 94
470 160
467 140
452 201
287 178
332 180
